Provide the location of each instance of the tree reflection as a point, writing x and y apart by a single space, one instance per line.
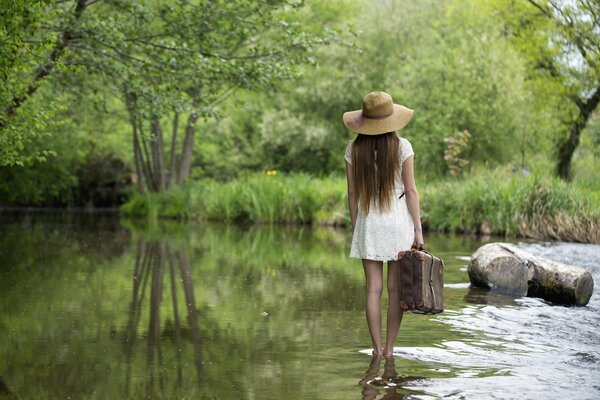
5 391
239 275
151 262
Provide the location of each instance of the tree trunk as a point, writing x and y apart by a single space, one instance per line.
173 157
149 158
566 150
130 99
568 147
151 177
137 156
157 154
188 146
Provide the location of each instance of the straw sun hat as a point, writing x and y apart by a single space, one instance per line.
378 115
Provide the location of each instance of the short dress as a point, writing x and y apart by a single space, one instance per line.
380 236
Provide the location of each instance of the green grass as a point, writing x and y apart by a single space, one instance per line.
295 198
491 203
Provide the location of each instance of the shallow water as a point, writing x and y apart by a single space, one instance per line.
93 307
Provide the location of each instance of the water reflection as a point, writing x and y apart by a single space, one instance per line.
232 306
156 261
4 390
390 382
477 295
107 308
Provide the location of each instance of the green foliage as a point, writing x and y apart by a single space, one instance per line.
172 204
183 55
89 160
27 52
162 56
456 63
16 139
460 73
449 61
491 68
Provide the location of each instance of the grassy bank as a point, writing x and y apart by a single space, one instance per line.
491 203
261 198
513 205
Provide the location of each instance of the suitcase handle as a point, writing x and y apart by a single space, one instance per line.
420 248
413 250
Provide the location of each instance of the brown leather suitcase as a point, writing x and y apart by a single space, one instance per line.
421 282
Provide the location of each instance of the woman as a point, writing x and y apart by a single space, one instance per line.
384 204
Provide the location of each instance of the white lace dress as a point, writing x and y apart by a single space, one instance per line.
380 236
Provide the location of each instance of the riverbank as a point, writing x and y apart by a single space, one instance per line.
491 203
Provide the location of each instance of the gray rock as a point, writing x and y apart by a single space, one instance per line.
508 269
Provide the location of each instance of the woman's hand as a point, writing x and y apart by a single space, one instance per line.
418 243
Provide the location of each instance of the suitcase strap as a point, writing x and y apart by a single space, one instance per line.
431 279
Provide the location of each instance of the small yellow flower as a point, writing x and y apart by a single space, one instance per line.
271 172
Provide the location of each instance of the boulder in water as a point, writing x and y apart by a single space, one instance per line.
506 268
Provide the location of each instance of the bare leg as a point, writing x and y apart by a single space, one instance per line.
374 287
395 312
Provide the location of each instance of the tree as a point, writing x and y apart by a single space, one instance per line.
165 60
191 58
561 42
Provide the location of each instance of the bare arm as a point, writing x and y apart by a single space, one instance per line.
352 204
412 199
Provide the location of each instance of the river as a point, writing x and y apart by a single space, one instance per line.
97 307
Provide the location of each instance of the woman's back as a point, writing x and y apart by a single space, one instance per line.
405 151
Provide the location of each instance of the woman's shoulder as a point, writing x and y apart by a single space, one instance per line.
348 152
406 149
403 141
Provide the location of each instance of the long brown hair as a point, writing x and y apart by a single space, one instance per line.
375 163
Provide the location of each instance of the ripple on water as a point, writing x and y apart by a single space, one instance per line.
524 348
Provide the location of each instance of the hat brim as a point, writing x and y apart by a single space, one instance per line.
356 122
